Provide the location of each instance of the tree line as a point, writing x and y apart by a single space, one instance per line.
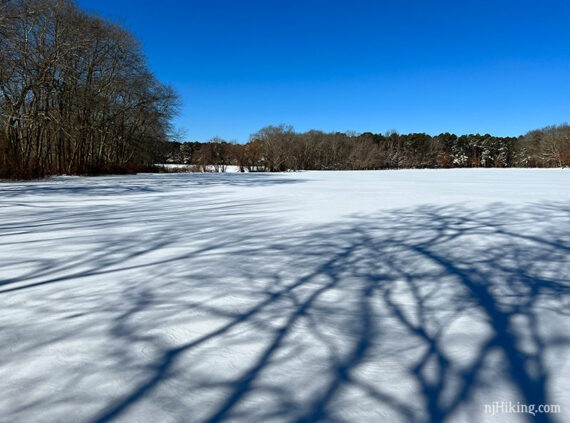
77 97
76 93
280 148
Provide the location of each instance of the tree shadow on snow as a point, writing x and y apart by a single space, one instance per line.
407 315
138 184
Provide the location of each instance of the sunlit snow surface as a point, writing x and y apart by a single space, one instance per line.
388 296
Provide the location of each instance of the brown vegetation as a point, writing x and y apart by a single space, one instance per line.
279 148
77 96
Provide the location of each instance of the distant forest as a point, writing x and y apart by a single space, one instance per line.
280 148
77 97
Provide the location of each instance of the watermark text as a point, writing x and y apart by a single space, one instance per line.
509 407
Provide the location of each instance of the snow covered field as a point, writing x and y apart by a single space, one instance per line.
388 296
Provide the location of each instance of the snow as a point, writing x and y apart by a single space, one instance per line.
209 168
393 296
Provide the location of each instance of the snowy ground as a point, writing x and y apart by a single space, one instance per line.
183 167
389 296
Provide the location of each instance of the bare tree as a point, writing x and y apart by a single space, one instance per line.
76 92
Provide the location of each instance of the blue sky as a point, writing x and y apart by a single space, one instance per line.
501 67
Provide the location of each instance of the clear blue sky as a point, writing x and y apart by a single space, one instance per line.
501 67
